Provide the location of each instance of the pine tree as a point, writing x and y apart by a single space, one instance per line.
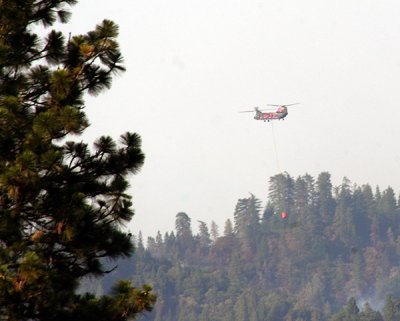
247 222
305 214
241 309
367 314
325 201
365 212
388 211
281 193
388 204
61 203
203 239
184 234
391 310
304 196
344 228
228 229
214 231
350 312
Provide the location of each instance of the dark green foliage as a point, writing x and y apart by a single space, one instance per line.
281 189
247 224
335 243
391 310
184 233
367 314
351 312
62 204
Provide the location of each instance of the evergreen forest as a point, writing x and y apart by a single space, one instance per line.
314 252
62 202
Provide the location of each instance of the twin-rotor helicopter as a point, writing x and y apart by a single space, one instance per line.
280 113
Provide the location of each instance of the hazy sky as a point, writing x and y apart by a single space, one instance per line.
192 65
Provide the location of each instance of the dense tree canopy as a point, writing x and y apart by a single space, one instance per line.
61 203
337 247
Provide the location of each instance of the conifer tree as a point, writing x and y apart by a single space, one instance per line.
343 224
247 216
367 314
61 203
350 312
214 232
247 223
204 237
391 310
184 234
228 229
281 192
325 201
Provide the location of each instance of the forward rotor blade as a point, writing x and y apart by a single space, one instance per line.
255 110
249 111
283 105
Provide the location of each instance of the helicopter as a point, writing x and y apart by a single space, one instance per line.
280 113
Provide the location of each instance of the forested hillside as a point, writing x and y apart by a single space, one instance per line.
333 250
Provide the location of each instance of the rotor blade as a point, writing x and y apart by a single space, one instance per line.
249 111
255 110
283 105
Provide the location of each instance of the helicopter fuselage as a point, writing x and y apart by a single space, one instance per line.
280 113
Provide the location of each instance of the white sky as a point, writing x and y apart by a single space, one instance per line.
192 65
